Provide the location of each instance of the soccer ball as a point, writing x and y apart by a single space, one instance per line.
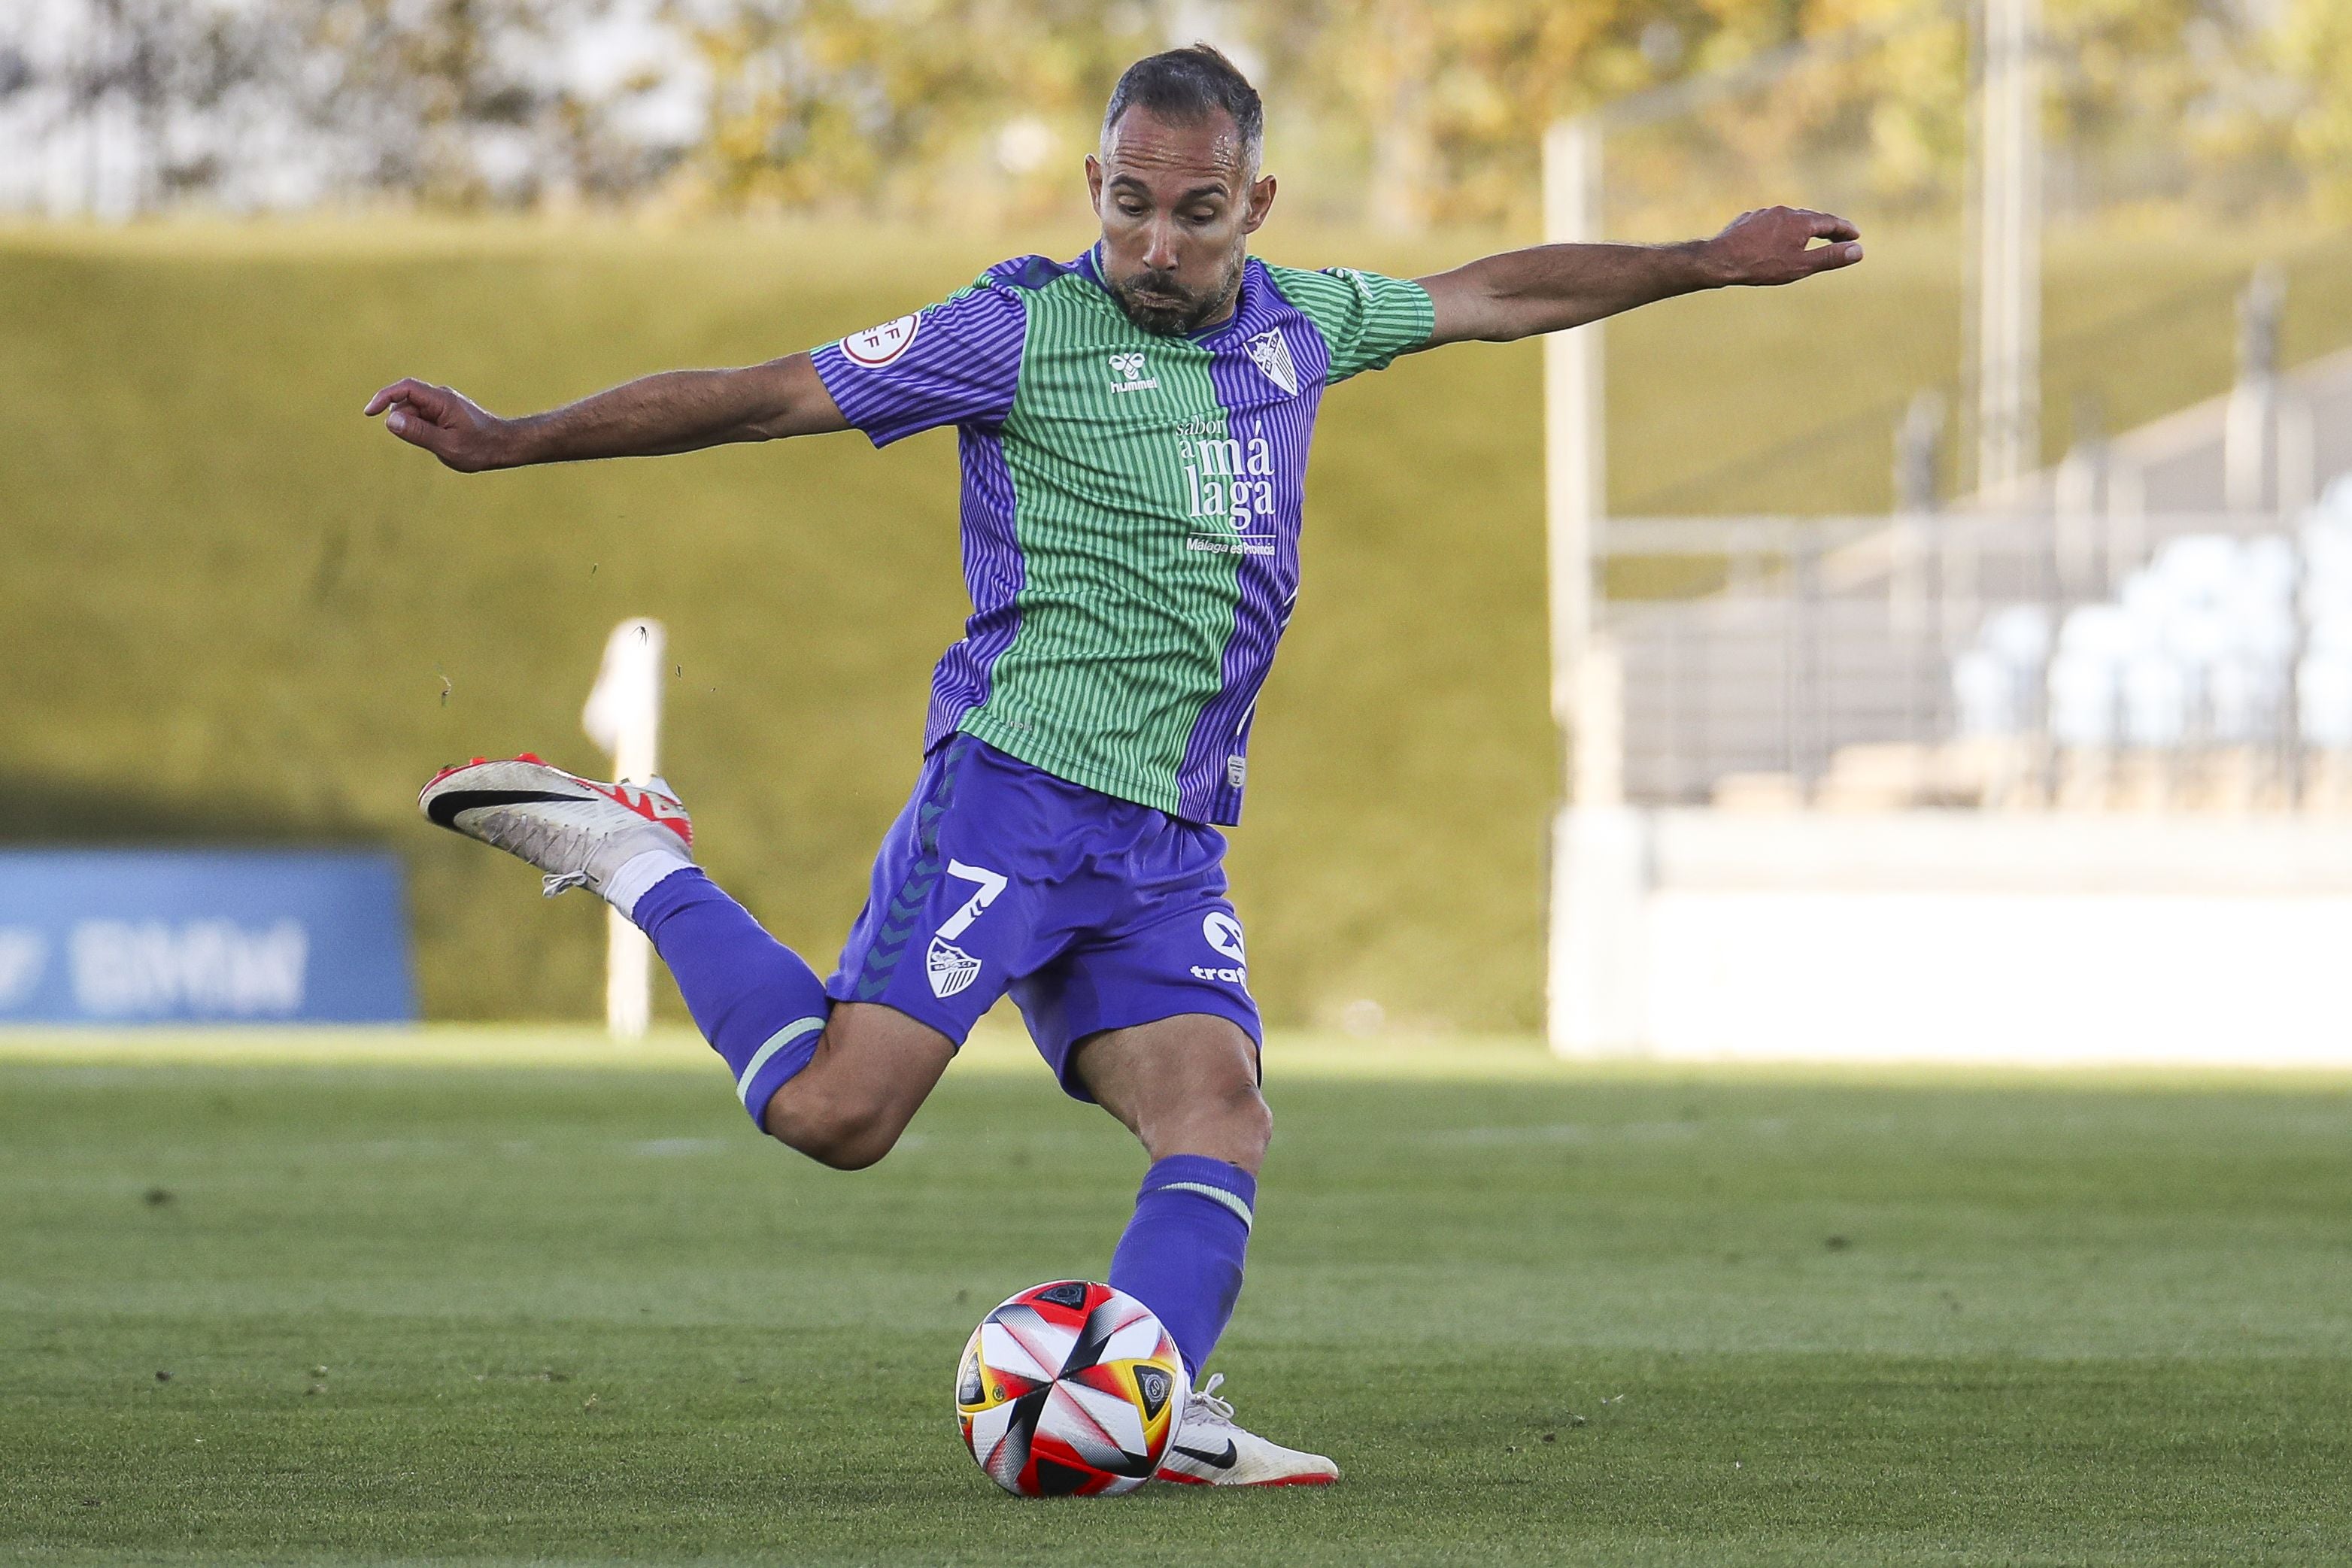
1070 1389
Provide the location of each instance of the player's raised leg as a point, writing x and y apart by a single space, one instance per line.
1187 1087
837 1083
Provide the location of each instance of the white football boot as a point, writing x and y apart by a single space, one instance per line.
578 832
1210 1451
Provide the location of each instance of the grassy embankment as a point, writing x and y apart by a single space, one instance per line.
230 606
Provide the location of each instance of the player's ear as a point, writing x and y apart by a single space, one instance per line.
1094 183
1261 203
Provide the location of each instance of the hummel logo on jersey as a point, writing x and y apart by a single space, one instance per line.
1127 372
1271 349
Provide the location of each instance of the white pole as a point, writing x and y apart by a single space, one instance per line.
624 718
1575 500
2008 234
1575 455
2298 453
2246 428
2250 427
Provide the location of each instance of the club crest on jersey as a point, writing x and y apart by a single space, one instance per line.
1127 374
877 346
1271 349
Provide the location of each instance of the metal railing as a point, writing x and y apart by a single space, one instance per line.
1815 665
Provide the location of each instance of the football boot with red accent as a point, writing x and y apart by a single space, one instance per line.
578 832
1211 1450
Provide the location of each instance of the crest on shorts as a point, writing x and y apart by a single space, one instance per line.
1271 349
950 969
948 966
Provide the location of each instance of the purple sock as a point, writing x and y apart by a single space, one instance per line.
758 1005
1181 1254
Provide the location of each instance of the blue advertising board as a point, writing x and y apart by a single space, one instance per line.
215 936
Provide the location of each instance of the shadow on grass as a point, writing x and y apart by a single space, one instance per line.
51 810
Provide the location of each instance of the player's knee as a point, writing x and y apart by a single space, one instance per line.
1245 1124
1258 1117
843 1134
853 1151
844 1144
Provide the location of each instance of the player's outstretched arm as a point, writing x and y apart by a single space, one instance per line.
677 411
1520 293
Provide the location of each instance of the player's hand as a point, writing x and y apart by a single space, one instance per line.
448 425
1773 245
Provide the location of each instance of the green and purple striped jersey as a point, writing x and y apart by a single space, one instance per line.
1131 506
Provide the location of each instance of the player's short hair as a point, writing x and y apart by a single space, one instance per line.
1186 86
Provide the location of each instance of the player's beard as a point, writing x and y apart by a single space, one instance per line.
1176 309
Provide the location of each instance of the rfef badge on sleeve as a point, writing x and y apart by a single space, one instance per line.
877 346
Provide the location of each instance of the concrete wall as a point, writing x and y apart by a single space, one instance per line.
1952 936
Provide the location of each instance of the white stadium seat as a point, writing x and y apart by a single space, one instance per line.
2323 700
2217 641
2155 703
2082 695
2018 636
1985 690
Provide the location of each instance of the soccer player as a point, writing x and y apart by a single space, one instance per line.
1134 427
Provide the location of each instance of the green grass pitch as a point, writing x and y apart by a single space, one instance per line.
417 1311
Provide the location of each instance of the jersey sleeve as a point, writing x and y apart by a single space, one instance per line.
955 362
1366 320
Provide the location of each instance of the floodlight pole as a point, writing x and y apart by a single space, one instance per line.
2008 241
624 717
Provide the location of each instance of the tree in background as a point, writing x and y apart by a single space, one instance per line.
1851 101
2164 100
898 105
2314 50
1447 104
1406 111
1441 107
460 102
169 76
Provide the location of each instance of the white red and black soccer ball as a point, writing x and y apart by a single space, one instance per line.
1070 1389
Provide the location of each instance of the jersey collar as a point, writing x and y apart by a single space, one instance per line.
1090 264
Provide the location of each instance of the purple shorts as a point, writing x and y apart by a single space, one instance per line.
1095 913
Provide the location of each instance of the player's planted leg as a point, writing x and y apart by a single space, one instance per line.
1187 1087
856 1075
